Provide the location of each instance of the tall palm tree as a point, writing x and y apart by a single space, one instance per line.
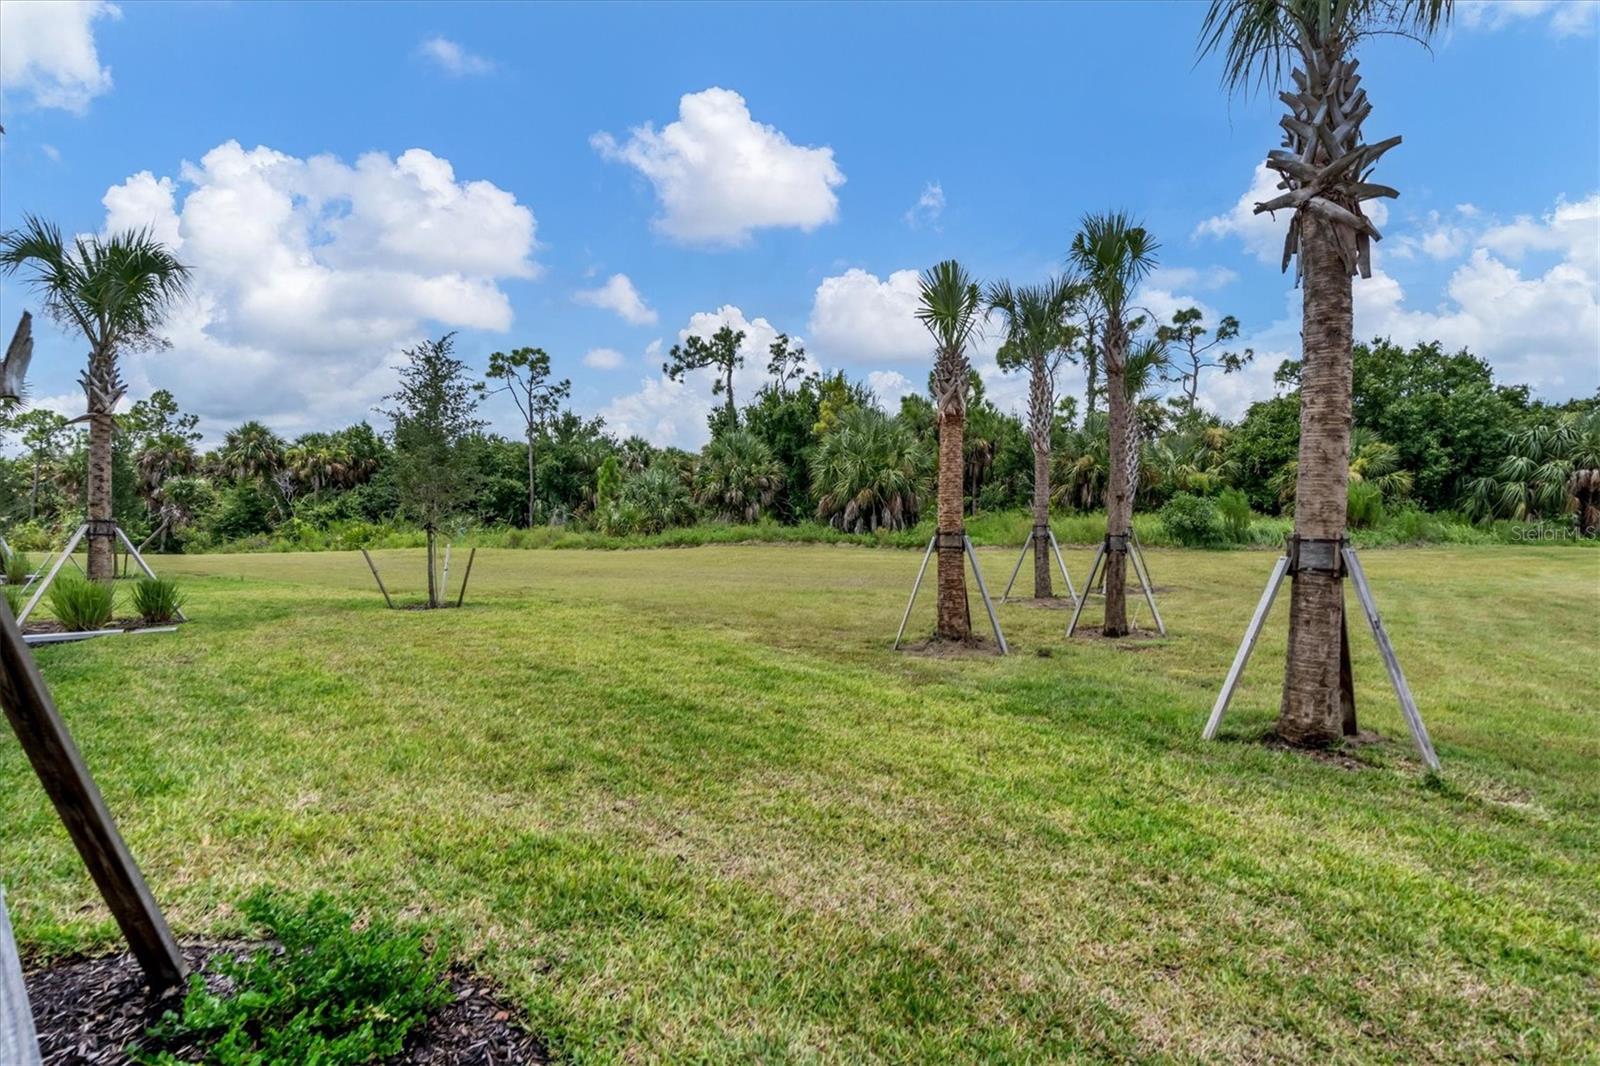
1039 338
117 290
950 305
1113 253
1325 168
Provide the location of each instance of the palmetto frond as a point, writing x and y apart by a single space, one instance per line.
1112 253
950 306
1325 165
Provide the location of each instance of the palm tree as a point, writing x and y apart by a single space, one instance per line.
870 472
737 477
117 290
1039 338
1081 465
951 307
1550 469
251 452
1325 168
1113 253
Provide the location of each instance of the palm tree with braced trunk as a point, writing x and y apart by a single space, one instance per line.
950 305
1325 166
116 290
1113 254
1039 338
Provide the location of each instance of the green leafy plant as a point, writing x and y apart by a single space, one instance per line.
80 604
14 597
1191 520
1234 507
331 993
157 599
1365 505
17 568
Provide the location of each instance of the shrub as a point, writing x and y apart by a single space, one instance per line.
1364 508
332 994
1191 520
15 597
157 599
80 604
1234 507
18 567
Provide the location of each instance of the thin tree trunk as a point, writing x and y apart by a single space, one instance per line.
530 477
1119 505
101 565
433 589
1311 714
953 622
1043 586
33 493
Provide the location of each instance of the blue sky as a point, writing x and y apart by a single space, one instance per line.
346 179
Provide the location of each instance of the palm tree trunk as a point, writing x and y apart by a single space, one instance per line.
530 477
101 564
1043 586
1119 505
1311 714
953 622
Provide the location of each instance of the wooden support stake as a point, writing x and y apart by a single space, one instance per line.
1077 612
378 579
1015 570
915 586
1246 646
60 768
988 604
467 576
149 573
1072 592
66 554
1397 677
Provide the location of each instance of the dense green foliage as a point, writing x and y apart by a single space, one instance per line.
1434 433
332 992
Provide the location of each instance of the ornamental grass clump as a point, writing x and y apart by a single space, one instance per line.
157 599
80 604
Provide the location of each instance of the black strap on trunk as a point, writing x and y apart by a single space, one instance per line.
1315 555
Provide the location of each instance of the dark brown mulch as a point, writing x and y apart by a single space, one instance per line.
88 1010
939 648
1340 756
46 626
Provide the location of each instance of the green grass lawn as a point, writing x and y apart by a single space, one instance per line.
688 804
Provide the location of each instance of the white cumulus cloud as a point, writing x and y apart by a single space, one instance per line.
453 59
1262 235
1563 18
856 318
602 358
310 274
720 175
928 208
668 412
47 52
618 294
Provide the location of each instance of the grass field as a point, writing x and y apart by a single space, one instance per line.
688 805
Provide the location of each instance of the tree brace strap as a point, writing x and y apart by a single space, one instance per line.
1042 532
1117 542
1315 555
956 539
101 527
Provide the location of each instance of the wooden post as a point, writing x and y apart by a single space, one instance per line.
466 576
1015 570
60 768
133 553
988 605
1397 677
1088 584
1246 646
66 554
378 579
915 586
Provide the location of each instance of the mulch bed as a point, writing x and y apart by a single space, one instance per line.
88 1010
47 626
